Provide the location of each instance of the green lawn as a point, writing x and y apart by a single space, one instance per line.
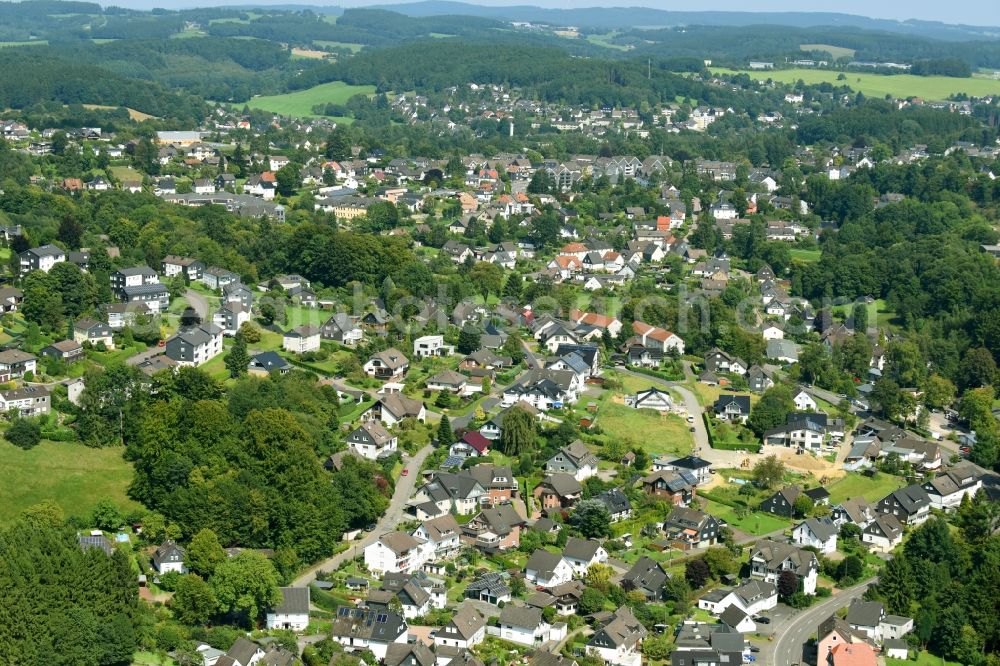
755 523
300 103
879 313
73 475
151 659
125 173
880 85
657 434
605 41
858 485
33 42
805 255
924 658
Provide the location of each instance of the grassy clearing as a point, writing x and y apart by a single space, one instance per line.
836 51
124 173
879 314
32 42
655 433
858 485
807 256
755 523
605 41
138 116
151 659
71 474
300 103
348 46
880 85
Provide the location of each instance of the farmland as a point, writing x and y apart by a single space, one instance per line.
836 51
301 103
880 85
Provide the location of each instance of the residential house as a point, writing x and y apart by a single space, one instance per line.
409 654
393 408
699 468
442 534
617 502
547 569
494 529
155 296
343 329
301 340
217 278
66 350
647 576
265 363
524 625
769 558
732 408
544 389
883 533
292 613
855 510
397 552
717 361
389 364
26 401
947 489
491 587
493 428
619 641
14 363
360 629
581 554
676 487
651 336
804 402
467 627
41 258
782 503
93 331
752 597
190 268
652 398
448 380
10 299
574 459
558 491
169 557
372 441
820 533
835 633
122 315
689 528
865 617
910 505
195 345
230 317
431 345
472 443
132 277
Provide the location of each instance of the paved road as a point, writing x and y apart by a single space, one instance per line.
198 302
392 517
788 648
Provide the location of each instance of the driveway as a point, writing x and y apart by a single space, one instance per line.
792 635
392 517
198 302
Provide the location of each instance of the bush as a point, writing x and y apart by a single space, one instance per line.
24 433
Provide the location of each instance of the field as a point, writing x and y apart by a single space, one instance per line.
308 53
806 256
655 433
837 52
605 41
301 103
856 485
349 46
33 42
879 313
132 113
71 474
125 173
755 523
880 85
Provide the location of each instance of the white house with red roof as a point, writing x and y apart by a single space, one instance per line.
657 338
471 444
603 322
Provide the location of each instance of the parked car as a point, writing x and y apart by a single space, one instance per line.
762 619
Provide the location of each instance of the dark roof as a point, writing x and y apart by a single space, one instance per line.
521 616
581 549
543 563
381 625
732 616
294 600
741 401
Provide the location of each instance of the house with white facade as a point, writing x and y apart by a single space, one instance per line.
397 552
581 554
301 340
195 345
820 533
431 345
619 641
769 558
524 625
169 557
371 440
292 612
358 629
547 569
574 459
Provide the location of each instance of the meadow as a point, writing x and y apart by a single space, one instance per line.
301 102
72 475
880 85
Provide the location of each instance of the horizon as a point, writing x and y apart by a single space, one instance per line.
974 13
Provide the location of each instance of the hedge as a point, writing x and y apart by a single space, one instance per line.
659 375
752 447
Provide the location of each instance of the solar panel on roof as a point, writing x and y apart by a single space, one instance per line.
382 617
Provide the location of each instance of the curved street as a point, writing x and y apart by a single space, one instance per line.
388 522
